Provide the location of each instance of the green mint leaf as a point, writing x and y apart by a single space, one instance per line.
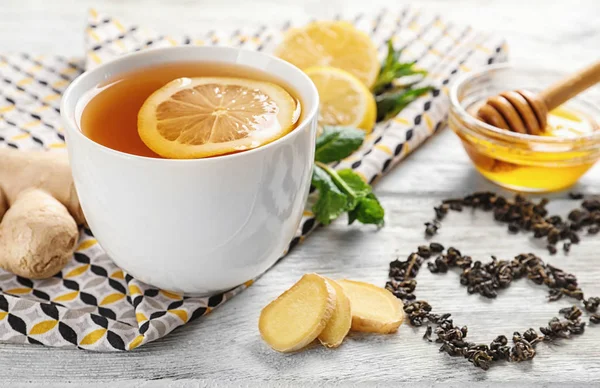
386 72
341 191
404 71
359 187
332 201
390 104
336 143
389 58
351 195
366 208
392 69
352 215
367 211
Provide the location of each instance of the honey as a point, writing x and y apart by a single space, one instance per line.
568 123
553 161
533 167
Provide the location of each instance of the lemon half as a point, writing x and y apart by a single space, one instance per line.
209 116
332 43
344 99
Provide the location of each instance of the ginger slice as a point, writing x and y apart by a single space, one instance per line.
339 324
299 315
374 309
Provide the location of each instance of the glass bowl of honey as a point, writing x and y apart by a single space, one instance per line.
553 161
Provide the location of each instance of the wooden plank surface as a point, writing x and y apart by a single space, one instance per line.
225 347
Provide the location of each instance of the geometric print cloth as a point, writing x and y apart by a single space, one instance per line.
94 305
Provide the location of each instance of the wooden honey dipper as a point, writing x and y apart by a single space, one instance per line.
525 112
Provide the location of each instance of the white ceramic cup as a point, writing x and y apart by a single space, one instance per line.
194 226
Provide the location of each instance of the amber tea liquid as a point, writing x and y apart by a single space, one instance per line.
110 116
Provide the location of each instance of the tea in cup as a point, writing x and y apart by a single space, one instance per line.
226 210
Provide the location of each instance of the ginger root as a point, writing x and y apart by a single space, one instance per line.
39 212
37 235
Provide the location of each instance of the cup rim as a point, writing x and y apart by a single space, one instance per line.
68 108
489 130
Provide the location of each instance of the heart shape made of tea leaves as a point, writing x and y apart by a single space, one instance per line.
487 278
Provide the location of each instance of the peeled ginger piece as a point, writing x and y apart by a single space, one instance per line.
299 315
374 309
339 324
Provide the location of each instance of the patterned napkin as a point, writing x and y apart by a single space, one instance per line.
92 304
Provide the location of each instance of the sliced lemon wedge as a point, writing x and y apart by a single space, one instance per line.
210 116
331 43
344 100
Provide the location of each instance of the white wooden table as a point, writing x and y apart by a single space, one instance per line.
225 347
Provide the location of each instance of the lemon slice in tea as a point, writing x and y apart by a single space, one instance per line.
344 100
209 116
331 43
